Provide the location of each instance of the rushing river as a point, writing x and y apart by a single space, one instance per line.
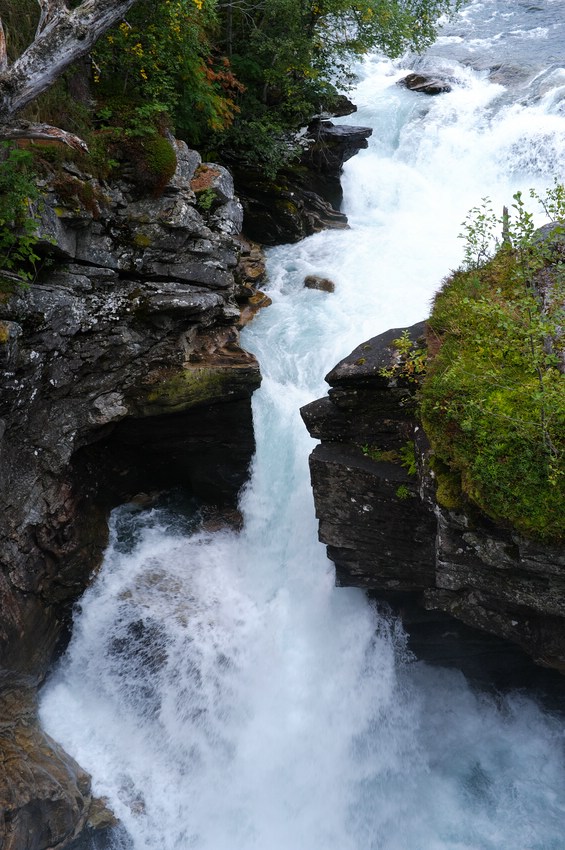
223 694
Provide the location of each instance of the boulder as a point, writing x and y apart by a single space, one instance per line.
331 145
425 84
313 281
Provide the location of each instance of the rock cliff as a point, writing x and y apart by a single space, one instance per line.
306 195
121 372
386 532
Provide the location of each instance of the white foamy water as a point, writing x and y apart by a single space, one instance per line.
223 694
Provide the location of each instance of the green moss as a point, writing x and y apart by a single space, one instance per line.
160 159
408 457
187 388
287 206
377 454
142 240
448 490
205 199
493 399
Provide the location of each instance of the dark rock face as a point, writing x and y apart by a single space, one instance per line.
332 145
385 531
376 538
286 209
122 372
360 512
304 198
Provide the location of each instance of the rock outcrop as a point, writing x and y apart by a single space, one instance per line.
305 196
121 372
386 532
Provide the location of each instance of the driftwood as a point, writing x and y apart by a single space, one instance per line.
63 35
28 130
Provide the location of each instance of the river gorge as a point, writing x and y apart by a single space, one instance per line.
222 692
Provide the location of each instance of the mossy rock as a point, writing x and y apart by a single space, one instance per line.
160 159
189 387
448 491
493 399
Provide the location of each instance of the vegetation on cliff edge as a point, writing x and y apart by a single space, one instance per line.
222 74
493 398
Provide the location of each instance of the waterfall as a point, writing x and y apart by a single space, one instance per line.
221 691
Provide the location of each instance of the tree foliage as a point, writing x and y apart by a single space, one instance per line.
223 73
243 73
18 227
292 55
161 65
65 32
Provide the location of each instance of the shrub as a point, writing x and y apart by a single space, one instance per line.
493 399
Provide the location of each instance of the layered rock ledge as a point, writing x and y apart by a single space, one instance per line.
121 372
306 195
386 532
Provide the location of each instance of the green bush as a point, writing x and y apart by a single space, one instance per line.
493 399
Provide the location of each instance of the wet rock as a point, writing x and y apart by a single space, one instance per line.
386 532
323 284
250 269
254 303
341 106
332 145
45 797
305 196
228 519
425 84
287 208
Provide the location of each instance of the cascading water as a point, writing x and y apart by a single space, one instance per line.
222 692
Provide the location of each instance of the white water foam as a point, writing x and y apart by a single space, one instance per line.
224 695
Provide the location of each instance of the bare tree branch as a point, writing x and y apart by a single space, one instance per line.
3 51
13 277
66 35
49 8
26 130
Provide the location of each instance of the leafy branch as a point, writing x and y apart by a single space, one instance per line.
18 225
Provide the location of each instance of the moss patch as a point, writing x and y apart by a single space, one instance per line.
186 388
493 399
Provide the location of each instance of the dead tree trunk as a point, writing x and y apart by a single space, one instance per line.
62 36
